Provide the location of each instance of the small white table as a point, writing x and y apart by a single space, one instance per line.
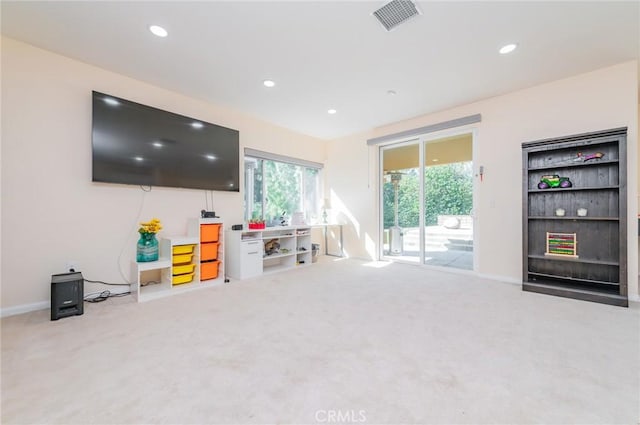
325 227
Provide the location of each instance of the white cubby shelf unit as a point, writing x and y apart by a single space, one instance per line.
252 252
185 263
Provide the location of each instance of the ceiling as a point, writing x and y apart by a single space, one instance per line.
326 54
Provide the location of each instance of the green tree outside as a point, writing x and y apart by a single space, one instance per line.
282 190
282 186
449 191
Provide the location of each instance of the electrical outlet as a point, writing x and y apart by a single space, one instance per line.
71 265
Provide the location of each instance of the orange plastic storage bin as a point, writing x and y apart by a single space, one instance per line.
209 232
209 251
209 270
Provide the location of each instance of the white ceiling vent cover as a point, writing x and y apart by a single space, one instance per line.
396 12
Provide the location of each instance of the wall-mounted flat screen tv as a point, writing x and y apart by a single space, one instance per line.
140 145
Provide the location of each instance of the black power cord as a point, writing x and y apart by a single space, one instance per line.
104 295
106 283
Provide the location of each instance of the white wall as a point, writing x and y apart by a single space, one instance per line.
598 100
52 212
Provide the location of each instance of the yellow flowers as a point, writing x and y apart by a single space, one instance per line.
151 226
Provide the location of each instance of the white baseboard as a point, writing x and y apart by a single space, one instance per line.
634 298
24 308
43 305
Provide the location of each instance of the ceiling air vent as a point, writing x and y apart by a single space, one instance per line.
396 12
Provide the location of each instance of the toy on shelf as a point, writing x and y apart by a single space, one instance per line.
284 219
588 157
579 157
554 180
271 247
562 244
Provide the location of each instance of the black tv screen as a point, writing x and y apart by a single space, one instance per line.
140 145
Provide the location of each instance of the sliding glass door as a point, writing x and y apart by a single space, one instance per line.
401 201
427 201
448 202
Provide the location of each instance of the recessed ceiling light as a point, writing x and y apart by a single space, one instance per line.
508 48
197 124
331 111
391 92
159 31
210 157
269 83
110 101
138 158
157 144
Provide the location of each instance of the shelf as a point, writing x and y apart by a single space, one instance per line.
599 270
269 257
572 259
183 240
575 164
264 237
576 293
165 270
574 218
573 279
244 262
162 263
577 189
151 288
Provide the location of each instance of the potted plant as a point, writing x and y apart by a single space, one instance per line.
147 246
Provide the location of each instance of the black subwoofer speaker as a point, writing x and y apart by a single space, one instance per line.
67 295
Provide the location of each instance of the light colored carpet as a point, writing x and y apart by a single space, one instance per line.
339 340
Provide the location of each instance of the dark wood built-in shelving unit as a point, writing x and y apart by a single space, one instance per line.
598 272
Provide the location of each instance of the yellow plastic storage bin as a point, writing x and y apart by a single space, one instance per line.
182 278
182 259
186 268
183 249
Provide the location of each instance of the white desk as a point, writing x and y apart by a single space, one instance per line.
325 227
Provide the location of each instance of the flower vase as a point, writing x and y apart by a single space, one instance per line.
147 248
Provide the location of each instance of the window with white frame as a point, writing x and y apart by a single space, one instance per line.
277 185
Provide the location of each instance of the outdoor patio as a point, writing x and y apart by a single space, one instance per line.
443 246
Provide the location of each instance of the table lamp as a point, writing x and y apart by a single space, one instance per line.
325 206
